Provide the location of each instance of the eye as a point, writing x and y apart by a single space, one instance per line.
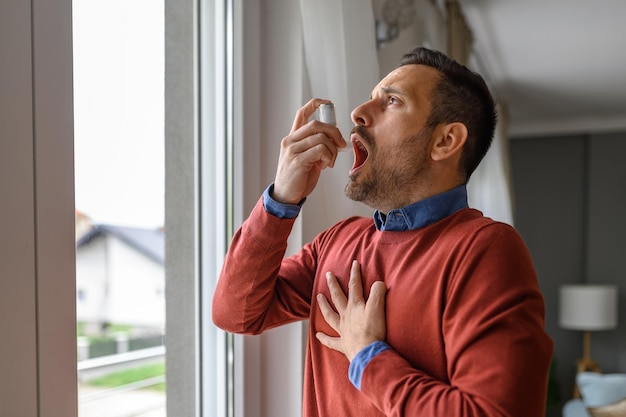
391 100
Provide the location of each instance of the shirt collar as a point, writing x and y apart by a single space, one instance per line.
424 212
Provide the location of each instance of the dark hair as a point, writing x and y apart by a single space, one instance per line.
462 96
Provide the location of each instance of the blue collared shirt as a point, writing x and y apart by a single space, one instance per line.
422 213
411 217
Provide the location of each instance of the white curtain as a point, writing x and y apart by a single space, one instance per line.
489 187
342 64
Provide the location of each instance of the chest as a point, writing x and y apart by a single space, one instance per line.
416 277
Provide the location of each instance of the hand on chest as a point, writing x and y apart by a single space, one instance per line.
413 303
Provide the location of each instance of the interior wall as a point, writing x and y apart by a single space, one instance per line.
37 269
18 349
606 239
569 199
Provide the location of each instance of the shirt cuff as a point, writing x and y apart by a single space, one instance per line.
280 210
362 359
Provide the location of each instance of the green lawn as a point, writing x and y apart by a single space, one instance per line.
131 375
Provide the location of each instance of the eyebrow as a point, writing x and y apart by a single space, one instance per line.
390 90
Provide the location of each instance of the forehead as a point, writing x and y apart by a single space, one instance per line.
412 80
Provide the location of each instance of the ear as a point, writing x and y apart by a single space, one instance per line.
450 139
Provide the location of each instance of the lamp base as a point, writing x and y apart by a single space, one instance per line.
585 365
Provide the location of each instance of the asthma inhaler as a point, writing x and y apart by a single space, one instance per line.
327 115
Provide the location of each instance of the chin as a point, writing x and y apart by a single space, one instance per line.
350 191
356 193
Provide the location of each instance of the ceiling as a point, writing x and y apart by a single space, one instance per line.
560 65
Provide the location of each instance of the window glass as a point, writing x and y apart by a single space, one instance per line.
119 186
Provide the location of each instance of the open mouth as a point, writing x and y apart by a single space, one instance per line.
360 153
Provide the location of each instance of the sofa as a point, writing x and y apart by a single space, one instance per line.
575 408
602 395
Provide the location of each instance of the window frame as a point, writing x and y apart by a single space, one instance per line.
37 289
198 137
38 258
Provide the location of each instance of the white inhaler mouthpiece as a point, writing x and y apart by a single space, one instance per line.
327 115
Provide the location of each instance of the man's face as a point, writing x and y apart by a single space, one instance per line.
391 141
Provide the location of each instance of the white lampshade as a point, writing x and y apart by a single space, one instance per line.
588 307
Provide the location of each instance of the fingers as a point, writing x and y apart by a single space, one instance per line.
328 341
305 112
355 290
355 285
303 155
310 128
313 149
336 293
376 300
357 323
331 317
310 148
322 132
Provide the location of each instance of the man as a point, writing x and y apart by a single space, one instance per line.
439 314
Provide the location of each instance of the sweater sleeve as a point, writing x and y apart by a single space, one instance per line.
497 351
258 289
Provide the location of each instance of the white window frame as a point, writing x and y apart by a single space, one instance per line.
198 137
266 373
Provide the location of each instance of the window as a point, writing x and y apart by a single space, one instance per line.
38 285
119 186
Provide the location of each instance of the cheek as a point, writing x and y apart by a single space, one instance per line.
395 140
406 155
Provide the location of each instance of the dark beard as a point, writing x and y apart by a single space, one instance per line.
383 185
372 190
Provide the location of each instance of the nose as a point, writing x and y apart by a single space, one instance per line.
360 115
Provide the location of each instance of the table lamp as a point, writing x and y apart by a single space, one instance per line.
588 308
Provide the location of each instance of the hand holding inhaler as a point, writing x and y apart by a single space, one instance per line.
310 147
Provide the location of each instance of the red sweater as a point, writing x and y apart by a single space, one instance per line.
464 314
